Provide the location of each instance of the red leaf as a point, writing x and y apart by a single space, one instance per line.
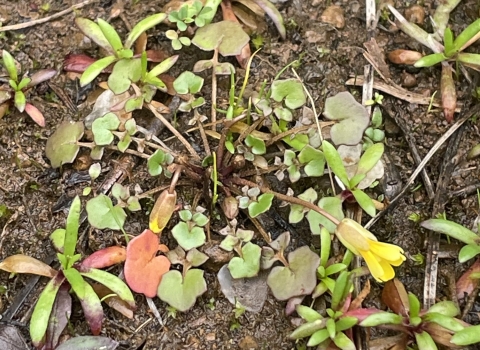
35 114
465 284
78 63
143 269
105 258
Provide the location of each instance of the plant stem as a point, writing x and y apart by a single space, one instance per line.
283 197
213 112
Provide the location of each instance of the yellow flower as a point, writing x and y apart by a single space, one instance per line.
379 256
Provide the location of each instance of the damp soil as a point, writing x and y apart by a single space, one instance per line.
34 197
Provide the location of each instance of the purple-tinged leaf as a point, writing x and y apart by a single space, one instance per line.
273 13
89 343
93 31
43 309
62 309
25 264
11 338
41 76
35 114
91 305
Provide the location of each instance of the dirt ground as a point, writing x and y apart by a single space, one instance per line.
32 193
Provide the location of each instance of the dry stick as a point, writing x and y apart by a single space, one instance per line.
289 199
46 19
175 132
413 148
433 238
425 160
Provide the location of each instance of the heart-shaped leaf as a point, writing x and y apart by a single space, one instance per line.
263 204
187 82
181 293
353 117
290 90
188 237
124 72
228 36
249 264
102 214
102 129
299 278
143 269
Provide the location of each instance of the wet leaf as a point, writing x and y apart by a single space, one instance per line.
105 257
229 43
143 269
59 317
182 292
91 305
248 264
93 31
102 214
112 282
61 147
299 278
290 90
89 343
43 309
25 264
34 113
352 116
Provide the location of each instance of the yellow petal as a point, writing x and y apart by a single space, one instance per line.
373 264
386 251
388 272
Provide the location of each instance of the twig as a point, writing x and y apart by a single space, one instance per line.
425 160
170 127
45 19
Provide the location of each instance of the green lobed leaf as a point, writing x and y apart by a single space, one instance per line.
290 90
332 205
124 72
263 204
230 43
187 237
188 82
102 129
102 214
248 264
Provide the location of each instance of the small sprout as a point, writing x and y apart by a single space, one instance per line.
102 129
157 163
189 233
415 217
378 99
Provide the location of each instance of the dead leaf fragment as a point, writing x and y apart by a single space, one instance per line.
334 16
25 264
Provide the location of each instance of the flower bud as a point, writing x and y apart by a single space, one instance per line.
230 207
162 211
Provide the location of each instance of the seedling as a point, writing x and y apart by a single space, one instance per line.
190 233
53 308
158 162
18 87
181 289
255 202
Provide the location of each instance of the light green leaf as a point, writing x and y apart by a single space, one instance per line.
143 26
335 163
365 202
95 69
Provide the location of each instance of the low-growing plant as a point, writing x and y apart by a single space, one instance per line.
53 308
18 87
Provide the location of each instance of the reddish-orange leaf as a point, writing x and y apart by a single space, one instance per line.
143 269
105 257
25 264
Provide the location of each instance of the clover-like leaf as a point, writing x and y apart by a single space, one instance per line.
228 36
102 129
102 214
143 269
353 117
157 161
248 264
290 90
298 278
332 205
61 147
297 211
188 82
188 237
182 292
314 160
263 204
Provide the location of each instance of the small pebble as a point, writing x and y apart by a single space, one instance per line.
415 14
408 80
248 343
334 16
